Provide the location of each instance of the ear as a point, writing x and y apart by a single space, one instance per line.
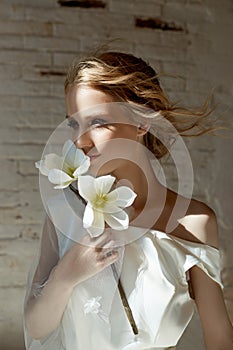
142 129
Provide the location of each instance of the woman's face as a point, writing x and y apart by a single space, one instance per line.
100 129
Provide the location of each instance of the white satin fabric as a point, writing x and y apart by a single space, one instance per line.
153 271
154 279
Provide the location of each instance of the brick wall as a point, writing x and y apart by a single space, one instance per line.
38 39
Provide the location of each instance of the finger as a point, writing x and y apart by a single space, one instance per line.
96 241
110 244
100 243
106 253
109 259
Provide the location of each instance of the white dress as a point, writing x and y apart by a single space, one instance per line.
153 273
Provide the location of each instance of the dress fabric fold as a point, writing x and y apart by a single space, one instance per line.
153 271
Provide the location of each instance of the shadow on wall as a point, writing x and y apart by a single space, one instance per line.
9 343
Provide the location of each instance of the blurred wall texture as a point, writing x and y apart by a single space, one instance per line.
38 39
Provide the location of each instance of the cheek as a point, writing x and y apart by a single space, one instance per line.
101 135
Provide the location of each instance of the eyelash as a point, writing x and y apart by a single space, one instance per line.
74 124
98 122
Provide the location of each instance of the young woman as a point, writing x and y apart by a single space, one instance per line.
171 262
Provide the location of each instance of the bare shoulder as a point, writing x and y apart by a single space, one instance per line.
200 222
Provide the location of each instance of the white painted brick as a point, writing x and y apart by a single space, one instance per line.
6 10
34 135
19 216
26 88
32 231
46 44
13 180
172 83
123 43
59 15
25 57
135 7
15 258
194 100
57 90
11 321
101 25
40 118
201 85
44 104
26 28
9 71
159 52
35 14
9 232
176 12
8 41
27 167
8 171
184 69
9 135
43 74
15 199
9 199
9 118
30 200
61 59
9 104
45 3
12 151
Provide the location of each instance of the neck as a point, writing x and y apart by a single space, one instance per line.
151 194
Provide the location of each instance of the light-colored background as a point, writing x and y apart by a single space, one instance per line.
38 39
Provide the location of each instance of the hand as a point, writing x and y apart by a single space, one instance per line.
86 259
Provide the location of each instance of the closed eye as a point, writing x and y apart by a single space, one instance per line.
72 123
98 122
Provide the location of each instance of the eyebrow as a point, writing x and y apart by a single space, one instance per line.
98 115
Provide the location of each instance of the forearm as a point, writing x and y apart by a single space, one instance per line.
44 313
225 344
221 337
216 324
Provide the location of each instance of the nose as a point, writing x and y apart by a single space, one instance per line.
83 141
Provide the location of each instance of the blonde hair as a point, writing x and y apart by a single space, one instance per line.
131 79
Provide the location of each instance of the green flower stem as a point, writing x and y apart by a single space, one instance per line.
124 300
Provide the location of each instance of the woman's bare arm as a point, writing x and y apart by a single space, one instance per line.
44 312
217 328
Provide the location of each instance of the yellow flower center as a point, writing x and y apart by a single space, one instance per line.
68 169
100 201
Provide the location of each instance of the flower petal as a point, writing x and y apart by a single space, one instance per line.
103 184
86 187
82 168
110 208
49 162
122 196
69 152
117 221
98 225
88 216
79 157
58 177
66 184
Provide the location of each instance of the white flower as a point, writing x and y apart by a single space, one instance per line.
103 205
62 171
92 305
